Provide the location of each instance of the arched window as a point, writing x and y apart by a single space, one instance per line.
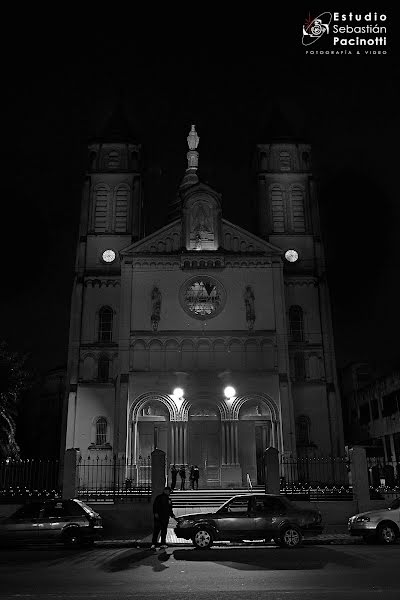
121 208
297 204
303 431
277 209
299 367
105 324
101 431
296 323
104 368
101 208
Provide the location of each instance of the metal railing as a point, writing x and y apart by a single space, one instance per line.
111 478
315 478
383 477
23 480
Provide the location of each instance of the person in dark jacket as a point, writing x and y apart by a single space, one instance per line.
191 477
162 511
182 473
196 475
174 473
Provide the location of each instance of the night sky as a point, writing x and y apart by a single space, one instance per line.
61 89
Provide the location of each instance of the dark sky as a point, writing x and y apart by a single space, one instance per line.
62 87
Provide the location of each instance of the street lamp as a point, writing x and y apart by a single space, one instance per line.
229 391
178 392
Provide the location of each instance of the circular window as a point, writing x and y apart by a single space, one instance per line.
108 256
202 297
291 255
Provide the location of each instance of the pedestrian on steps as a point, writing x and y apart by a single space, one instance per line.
196 475
174 473
162 511
182 473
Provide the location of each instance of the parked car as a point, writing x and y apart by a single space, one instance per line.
251 517
382 525
69 521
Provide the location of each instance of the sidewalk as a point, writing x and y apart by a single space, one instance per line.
144 540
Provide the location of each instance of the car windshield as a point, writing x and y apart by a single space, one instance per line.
395 504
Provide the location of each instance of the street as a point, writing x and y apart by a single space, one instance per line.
323 572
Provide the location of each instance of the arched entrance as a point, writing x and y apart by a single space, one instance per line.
255 435
152 428
205 443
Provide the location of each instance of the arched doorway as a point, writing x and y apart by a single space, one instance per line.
205 443
152 428
255 435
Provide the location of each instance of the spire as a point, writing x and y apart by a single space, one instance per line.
192 156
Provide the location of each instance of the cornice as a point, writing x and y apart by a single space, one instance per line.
101 282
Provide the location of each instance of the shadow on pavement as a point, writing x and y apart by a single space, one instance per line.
267 559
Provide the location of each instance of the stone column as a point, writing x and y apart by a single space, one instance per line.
157 472
359 477
185 443
223 452
173 443
271 466
70 482
71 419
236 442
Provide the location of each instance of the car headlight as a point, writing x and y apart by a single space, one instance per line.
186 523
362 519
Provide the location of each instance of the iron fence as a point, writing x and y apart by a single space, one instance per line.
315 478
383 477
110 478
26 479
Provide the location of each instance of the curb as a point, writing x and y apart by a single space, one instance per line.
342 541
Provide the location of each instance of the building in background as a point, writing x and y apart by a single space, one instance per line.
203 339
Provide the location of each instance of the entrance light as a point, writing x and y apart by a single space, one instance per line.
229 391
178 392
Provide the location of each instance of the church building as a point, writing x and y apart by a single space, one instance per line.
202 339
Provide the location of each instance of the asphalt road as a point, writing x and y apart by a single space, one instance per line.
312 572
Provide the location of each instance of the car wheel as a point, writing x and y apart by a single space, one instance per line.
289 537
72 539
202 539
386 533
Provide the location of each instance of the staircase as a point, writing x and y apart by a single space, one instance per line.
190 499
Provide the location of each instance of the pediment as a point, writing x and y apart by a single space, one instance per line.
233 240
167 239
236 240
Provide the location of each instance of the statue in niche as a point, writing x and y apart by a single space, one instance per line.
201 222
147 411
258 410
155 308
249 303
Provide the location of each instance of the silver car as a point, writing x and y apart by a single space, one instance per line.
382 524
69 521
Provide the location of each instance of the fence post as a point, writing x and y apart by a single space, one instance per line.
359 477
157 472
271 468
70 475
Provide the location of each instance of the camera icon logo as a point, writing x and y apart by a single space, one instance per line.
314 29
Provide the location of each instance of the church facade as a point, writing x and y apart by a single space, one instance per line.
202 339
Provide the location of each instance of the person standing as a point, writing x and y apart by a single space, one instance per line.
196 475
182 473
191 477
174 473
162 511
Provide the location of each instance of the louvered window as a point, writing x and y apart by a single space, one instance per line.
101 431
284 161
296 323
113 160
121 209
297 201
105 324
278 211
101 209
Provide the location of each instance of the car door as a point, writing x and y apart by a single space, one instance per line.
52 519
22 525
268 512
234 520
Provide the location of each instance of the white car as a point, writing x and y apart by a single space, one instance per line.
382 525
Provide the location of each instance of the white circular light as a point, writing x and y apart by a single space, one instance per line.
229 391
108 256
291 255
178 392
